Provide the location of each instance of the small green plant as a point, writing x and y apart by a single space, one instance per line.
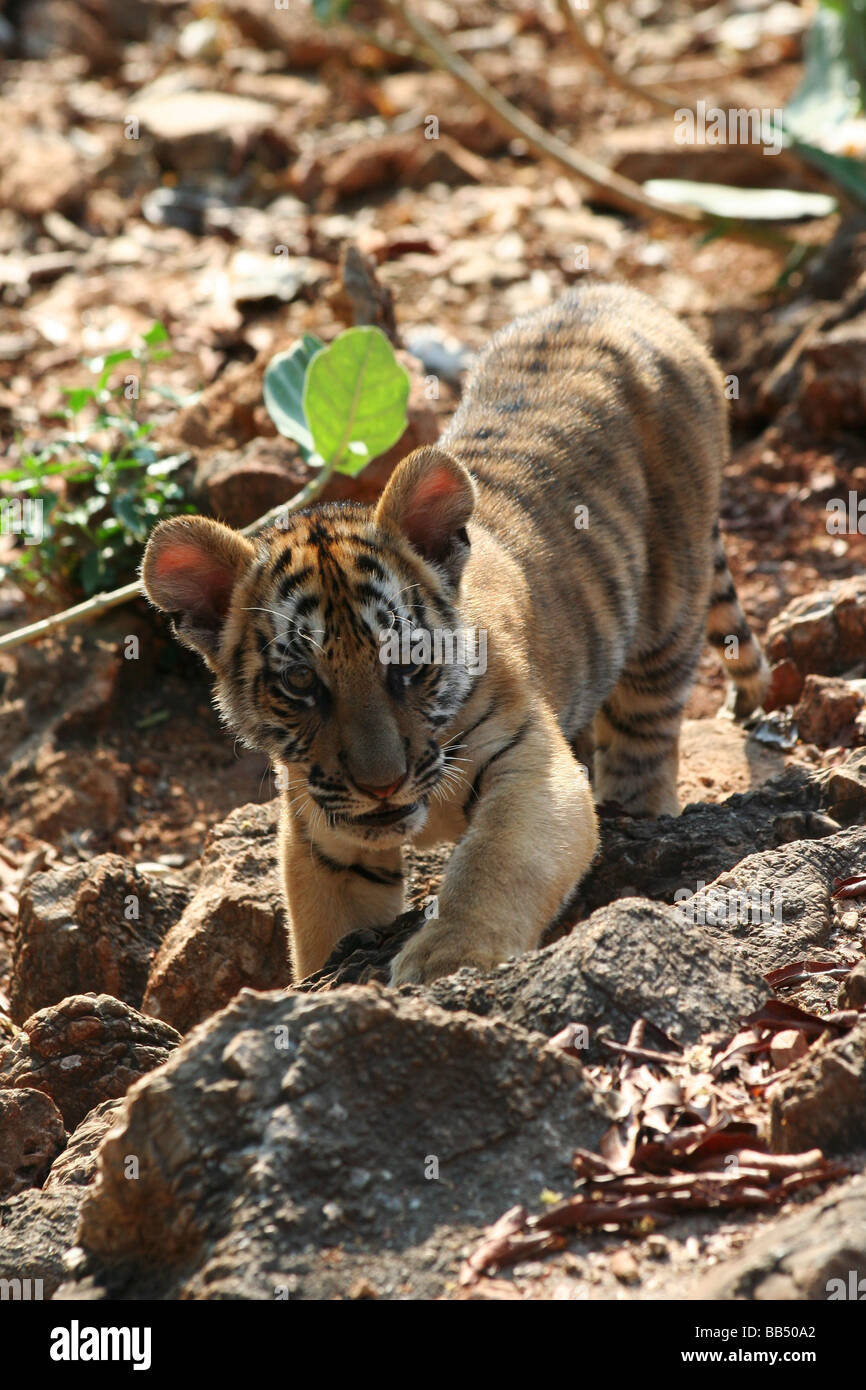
343 405
102 485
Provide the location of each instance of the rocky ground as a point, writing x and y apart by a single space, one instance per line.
669 1099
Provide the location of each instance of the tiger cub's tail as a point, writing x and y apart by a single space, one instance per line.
729 632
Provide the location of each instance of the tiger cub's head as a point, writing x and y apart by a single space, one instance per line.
316 637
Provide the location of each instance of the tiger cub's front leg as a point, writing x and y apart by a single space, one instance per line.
331 891
532 835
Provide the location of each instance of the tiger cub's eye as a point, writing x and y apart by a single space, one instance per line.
300 680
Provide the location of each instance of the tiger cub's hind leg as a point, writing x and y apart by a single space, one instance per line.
637 729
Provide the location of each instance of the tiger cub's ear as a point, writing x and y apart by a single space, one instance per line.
190 568
429 498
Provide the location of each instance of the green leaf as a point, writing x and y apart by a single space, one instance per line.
105 365
845 172
157 333
747 204
825 105
355 398
329 11
826 96
77 397
284 388
91 573
126 510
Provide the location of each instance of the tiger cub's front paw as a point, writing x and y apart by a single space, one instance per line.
438 950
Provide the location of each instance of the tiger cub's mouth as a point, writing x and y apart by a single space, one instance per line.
383 816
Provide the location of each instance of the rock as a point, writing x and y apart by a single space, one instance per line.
234 933
379 1125
258 276
302 44
239 487
629 960
624 1267
823 633
78 789
786 1047
659 857
37 707
786 685
827 710
821 1102
50 27
229 412
36 1230
806 1254
31 1137
76 1165
776 906
364 955
195 132
92 927
833 384
440 353
405 158
852 992
633 959
84 1050
50 783
66 173
199 41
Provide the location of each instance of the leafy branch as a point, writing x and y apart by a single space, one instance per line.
343 405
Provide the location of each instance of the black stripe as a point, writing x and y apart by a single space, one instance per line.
491 709
718 639
386 878
500 752
627 764
639 735
307 603
728 595
290 581
283 560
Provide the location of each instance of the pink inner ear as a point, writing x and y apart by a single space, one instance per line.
427 515
194 580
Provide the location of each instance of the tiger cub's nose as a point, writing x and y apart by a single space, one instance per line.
382 792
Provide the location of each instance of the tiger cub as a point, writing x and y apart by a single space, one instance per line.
418 671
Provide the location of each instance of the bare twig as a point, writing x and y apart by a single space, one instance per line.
663 101
618 191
